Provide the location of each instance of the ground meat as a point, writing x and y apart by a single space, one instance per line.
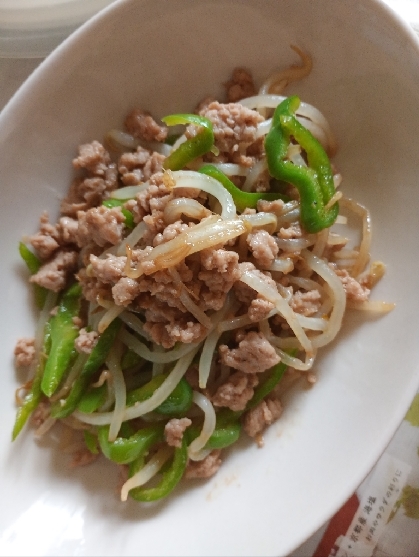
221 271
100 225
354 291
293 231
259 309
253 355
236 392
54 274
24 351
89 192
262 415
186 332
92 288
174 430
125 291
46 240
170 232
306 303
167 325
142 125
240 86
92 157
139 166
109 269
275 207
155 190
86 341
263 247
68 228
100 178
234 125
204 468
221 261
161 286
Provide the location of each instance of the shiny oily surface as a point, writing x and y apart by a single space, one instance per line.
164 57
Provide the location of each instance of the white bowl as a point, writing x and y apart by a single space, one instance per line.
164 56
33 28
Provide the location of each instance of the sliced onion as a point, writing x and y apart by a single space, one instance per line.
254 174
134 323
141 408
337 291
129 192
364 248
132 239
372 305
187 301
114 365
152 356
109 315
282 265
295 244
208 427
272 294
208 233
144 475
195 180
306 110
179 206
261 220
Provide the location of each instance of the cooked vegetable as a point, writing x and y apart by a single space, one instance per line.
315 181
193 147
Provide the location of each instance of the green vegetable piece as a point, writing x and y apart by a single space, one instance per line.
314 182
224 436
96 359
226 433
33 264
193 147
93 399
242 199
130 359
129 217
170 477
63 335
126 450
171 139
91 442
178 402
34 395
275 375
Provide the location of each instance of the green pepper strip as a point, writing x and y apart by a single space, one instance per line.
96 359
129 217
130 359
91 442
242 199
33 264
315 182
193 147
126 450
93 399
178 402
227 431
274 377
63 335
170 477
34 395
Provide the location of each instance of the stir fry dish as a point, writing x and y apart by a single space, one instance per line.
198 265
